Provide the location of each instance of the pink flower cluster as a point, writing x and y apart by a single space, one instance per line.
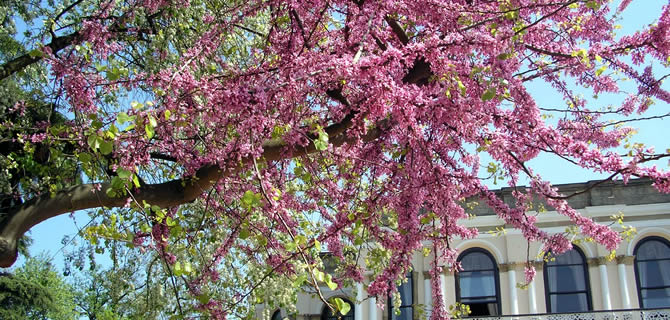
351 132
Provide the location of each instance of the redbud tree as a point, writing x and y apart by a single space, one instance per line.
241 138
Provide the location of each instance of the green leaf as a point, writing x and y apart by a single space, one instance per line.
136 181
300 240
244 233
145 227
153 122
36 53
96 124
149 130
106 147
99 67
593 5
601 70
329 282
489 94
251 199
170 222
85 157
426 219
123 117
187 267
93 141
461 87
300 280
203 298
123 173
505 56
321 143
341 306
117 183
262 240
319 275
113 74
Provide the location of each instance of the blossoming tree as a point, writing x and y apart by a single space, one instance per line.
268 130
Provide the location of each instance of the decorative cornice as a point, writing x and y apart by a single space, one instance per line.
628 260
592 262
504 267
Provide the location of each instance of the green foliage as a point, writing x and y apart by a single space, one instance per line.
132 287
30 166
36 291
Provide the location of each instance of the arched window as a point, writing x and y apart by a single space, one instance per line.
327 314
566 283
652 272
477 285
276 315
406 290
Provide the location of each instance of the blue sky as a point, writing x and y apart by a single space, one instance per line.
48 235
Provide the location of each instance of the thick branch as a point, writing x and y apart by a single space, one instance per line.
398 30
167 194
175 192
19 63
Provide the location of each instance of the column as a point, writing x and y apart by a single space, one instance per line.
427 294
513 299
532 302
372 312
623 281
358 308
443 283
604 285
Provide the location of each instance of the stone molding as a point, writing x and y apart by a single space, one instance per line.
504 267
627 260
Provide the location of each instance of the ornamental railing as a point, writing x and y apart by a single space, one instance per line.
626 314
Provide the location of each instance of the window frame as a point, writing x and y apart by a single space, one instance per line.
352 311
637 272
587 283
496 276
410 277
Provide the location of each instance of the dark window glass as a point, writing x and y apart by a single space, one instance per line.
327 314
652 270
571 302
405 314
477 284
407 297
276 315
656 298
566 281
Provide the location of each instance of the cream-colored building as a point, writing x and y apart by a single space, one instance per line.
582 284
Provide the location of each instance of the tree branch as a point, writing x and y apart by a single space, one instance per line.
175 192
167 194
17 64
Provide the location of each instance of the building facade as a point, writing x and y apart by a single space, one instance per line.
583 283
